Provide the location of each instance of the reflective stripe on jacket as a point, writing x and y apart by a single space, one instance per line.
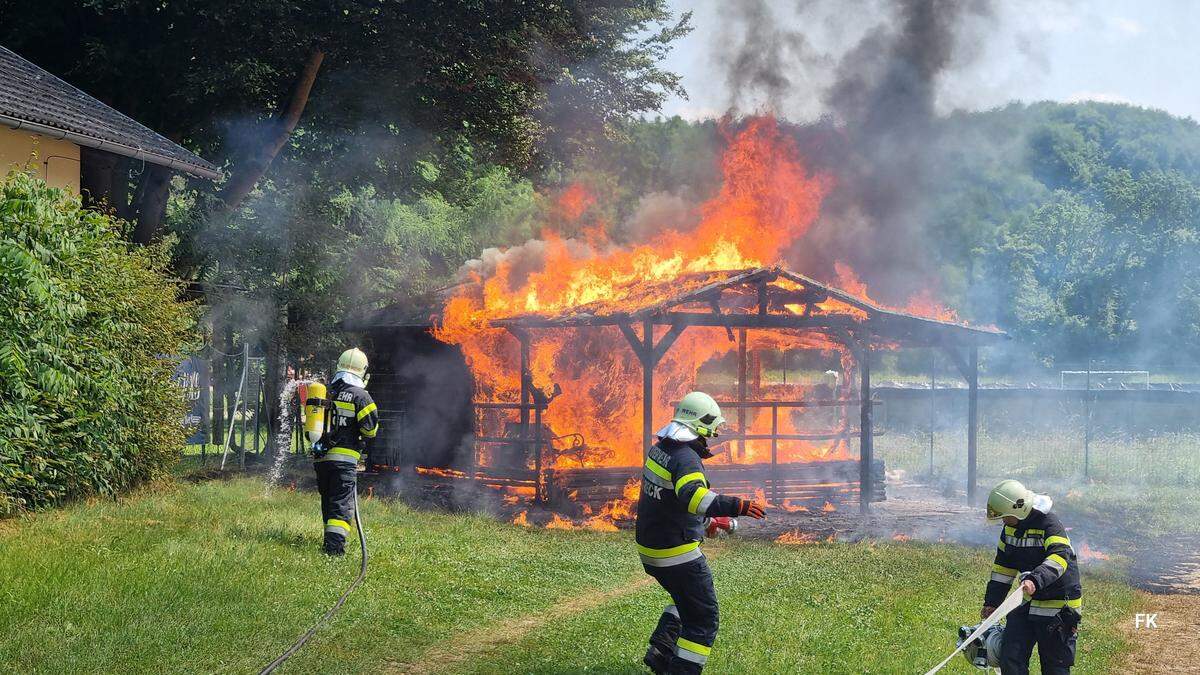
1039 546
675 499
353 423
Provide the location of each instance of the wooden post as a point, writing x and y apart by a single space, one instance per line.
648 365
866 447
217 367
258 409
972 422
741 390
523 338
206 400
539 493
245 383
756 376
649 354
775 455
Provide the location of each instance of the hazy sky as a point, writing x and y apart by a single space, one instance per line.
1145 53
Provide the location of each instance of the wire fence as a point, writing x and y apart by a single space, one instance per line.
1121 436
228 423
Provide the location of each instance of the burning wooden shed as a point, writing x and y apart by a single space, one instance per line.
528 432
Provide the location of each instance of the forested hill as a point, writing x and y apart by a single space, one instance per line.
1076 227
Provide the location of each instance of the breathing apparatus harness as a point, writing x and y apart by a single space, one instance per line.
317 411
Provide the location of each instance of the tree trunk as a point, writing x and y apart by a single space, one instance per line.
272 388
253 167
151 203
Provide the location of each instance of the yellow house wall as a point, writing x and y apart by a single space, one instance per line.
57 161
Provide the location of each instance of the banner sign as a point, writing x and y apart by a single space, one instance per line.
192 376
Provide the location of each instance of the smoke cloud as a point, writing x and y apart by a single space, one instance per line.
872 73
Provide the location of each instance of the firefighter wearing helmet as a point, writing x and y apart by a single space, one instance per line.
351 429
675 501
1034 550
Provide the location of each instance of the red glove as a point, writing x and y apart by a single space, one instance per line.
750 508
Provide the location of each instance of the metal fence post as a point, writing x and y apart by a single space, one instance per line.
1087 422
932 402
258 407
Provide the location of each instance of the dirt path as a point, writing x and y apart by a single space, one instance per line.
447 655
1172 647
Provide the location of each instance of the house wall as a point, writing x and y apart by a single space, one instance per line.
57 161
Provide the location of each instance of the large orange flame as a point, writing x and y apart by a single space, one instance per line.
767 202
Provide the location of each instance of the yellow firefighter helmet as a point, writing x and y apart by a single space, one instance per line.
353 360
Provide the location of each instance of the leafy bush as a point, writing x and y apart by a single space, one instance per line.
87 330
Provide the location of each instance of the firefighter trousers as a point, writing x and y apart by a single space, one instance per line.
687 629
1055 643
336 482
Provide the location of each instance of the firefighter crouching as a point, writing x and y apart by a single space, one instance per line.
671 512
1035 551
353 422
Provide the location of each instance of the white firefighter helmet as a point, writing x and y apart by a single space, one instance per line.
1009 498
353 360
700 413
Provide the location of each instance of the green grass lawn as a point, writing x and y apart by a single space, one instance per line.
220 577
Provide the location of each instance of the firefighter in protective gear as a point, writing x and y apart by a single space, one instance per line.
350 430
1034 550
675 501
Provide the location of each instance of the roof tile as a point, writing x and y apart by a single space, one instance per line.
31 94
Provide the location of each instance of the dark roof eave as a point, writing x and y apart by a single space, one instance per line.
902 328
209 172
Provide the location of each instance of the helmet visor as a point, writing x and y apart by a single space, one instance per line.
710 423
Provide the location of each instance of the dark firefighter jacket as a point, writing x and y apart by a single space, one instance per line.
674 502
1038 545
353 423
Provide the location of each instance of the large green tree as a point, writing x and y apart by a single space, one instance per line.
367 83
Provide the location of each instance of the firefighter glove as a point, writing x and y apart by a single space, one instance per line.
750 508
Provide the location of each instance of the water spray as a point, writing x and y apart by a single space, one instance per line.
283 439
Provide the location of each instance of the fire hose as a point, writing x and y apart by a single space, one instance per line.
1013 601
362 573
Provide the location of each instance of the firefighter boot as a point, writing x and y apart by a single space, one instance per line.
335 543
662 641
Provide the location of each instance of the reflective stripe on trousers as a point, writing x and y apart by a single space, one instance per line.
340 455
692 651
668 557
338 526
1053 607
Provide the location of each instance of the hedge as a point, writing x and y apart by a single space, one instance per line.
88 329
